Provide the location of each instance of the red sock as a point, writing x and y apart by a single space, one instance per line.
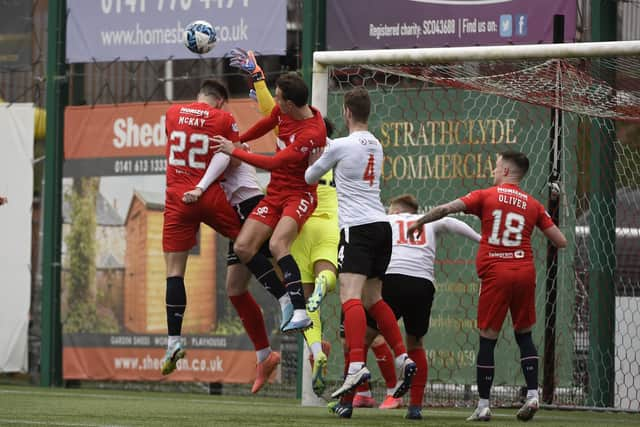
420 380
388 326
355 327
386 364
252 320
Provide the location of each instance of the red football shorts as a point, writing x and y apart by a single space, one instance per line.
182 221
298 206
508 288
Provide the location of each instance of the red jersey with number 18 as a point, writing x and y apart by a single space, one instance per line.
189 150
508 216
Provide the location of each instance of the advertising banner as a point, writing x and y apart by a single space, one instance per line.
381 24
113 276
16 22
138 30
16 185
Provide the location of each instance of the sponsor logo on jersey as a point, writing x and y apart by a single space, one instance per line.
234 127
262 211
194 112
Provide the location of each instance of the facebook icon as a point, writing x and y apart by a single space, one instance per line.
521 25
506 25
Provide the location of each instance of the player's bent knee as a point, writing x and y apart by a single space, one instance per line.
244 251
279 248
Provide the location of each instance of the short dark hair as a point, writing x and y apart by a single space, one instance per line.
329 125
408 200
211 87
293 89
517 158
358 102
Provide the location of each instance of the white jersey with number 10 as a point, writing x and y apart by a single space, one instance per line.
416 257
357 162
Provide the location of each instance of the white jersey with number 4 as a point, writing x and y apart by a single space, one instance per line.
357 165
416 257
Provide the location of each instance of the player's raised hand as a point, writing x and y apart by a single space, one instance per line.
245 61
223 144
192 196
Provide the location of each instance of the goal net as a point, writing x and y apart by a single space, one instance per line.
442 116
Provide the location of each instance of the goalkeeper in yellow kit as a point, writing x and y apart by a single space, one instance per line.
315 250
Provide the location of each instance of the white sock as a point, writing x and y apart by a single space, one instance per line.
483 403
316 348
173 340
400 360
532 393
390 391
262 354
355 367
364 393
299 314
284 300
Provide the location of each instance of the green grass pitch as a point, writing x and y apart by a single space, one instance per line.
34 406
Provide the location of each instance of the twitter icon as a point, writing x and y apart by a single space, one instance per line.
506 25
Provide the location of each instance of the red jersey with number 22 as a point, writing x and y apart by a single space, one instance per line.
189 149
508 217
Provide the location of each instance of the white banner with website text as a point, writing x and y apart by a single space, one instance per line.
16 185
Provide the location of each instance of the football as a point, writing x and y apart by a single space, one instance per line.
200 37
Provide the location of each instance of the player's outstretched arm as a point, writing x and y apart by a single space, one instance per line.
461 228
246 61
321 161
291 154
217 165
434 215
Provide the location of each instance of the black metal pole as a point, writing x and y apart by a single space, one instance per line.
555 158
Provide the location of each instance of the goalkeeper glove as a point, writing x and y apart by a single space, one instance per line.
246 61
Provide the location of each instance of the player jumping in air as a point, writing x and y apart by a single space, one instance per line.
316 247
289 202
191 167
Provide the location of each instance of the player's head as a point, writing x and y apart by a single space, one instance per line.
328 124
214 93
357 106
406 203
291 92
511 167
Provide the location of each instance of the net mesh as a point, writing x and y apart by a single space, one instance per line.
442 126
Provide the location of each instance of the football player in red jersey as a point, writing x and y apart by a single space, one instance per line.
193 166
289 201
506 269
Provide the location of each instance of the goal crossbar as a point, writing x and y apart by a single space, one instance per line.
321 59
